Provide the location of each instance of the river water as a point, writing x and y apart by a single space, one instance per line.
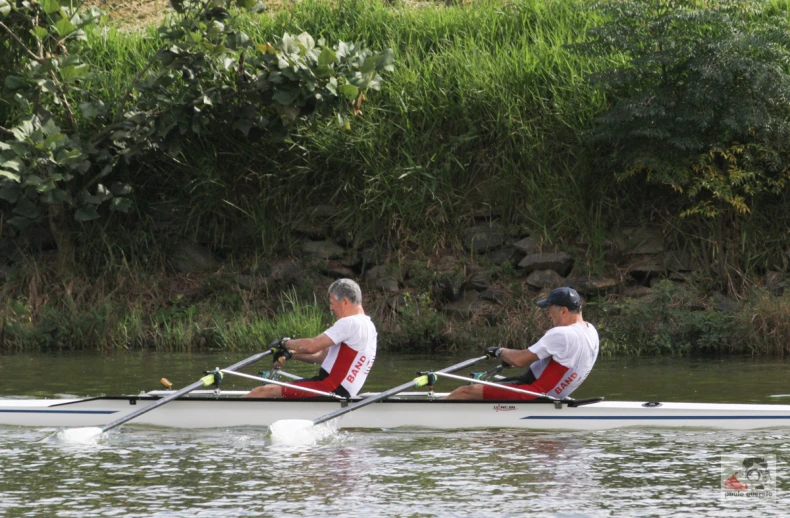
146 472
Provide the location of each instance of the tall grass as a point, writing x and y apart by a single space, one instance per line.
763 325
485 108
116 324
676 321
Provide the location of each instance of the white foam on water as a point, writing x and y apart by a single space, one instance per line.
90 435
300 432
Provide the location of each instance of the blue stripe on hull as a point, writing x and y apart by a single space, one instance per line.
58 411
656 417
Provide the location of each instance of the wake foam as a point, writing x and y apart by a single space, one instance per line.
300 432
90 435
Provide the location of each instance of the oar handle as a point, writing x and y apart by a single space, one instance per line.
205 381
416 382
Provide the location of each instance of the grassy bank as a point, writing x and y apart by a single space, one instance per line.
483 117
181 323
184 313
485 113
484 109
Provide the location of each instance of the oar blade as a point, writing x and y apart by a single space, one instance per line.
300 432
92 435
89 435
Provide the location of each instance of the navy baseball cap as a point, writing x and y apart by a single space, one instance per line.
566 297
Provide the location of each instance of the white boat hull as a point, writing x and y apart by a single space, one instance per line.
227 411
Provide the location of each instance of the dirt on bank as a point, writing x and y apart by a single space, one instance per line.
134 13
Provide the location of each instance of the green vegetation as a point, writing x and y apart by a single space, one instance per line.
567 119
675 321
206 77
700 105
178 325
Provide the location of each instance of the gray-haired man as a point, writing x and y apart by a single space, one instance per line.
346 350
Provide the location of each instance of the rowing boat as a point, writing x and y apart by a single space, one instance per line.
208 409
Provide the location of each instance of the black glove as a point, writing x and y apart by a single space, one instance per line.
493 352
280 351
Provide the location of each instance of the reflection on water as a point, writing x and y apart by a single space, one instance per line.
142 472
146 472
735 380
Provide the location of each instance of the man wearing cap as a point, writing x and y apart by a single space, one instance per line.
558 363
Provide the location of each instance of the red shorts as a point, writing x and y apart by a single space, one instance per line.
323 386
490 392
549 378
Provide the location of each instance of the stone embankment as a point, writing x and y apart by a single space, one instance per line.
475 280
494 269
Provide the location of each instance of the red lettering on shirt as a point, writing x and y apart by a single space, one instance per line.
370 365
565 383
353 374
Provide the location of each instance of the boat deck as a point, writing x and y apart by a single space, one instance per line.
206 409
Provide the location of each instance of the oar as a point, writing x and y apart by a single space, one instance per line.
86 434
286 426
497 385
282 384
278 372
487 374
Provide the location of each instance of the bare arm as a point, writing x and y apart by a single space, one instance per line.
518 358
310 346
312 358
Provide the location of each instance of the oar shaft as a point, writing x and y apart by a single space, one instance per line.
391 392
489 373
203 382
497 385
283 384
286 375
365 402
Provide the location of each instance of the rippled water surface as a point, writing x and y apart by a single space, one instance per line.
140 471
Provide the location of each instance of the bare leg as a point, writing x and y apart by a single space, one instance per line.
266 391
467 392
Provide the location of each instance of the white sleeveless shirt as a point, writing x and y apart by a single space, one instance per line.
353 354
575 347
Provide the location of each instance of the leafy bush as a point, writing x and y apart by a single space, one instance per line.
208 76
699 93
763 326
418 327
700 97
671 322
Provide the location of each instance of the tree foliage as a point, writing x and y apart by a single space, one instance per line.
700 92
60 145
